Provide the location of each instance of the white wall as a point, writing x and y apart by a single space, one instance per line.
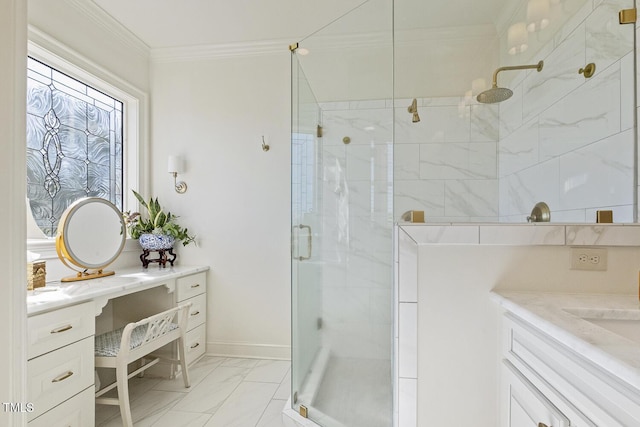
213 112
12 212
458 324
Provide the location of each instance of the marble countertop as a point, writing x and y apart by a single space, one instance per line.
57 295
551 314
538 233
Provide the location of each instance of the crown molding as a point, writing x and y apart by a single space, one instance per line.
444 34
351 41
274 47
218 51
97 15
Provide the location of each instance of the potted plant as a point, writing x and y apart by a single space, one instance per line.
159 229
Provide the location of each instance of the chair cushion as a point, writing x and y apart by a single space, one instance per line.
108 344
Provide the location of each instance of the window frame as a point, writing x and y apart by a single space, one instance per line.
135 125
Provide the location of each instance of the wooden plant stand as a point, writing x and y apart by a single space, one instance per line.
162 257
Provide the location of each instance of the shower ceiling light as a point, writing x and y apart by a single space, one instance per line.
517 38
468 96
302 51
537 15
478 85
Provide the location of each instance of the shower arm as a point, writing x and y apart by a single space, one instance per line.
537 66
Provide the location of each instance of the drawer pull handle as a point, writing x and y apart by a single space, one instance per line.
62 377
542 425
197 285
195 345
195 313
62 329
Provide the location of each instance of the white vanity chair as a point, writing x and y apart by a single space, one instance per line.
136 341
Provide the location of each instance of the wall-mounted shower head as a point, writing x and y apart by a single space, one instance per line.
494 95
413 109
499 94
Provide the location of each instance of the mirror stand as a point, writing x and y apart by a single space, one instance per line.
84 275
91 235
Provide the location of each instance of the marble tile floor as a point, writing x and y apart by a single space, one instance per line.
224 392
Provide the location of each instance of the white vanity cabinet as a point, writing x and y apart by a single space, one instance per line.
182 289
526 405
62 325
544 381
192 289
60 365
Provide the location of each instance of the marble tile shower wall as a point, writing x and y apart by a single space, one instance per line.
553 141
568 140
356 232
446 164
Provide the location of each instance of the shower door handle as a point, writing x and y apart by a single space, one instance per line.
295 236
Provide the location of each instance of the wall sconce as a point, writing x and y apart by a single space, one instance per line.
537 15
517 38
175 166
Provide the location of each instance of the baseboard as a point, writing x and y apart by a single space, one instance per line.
249 350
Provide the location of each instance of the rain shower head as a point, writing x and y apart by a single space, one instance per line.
413 109
499 94
494 95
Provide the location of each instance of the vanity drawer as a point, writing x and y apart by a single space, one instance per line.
190 286
586 393
79 411
196 343
55 329
56 376
197 312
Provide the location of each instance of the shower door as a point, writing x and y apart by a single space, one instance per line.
342 221
305 266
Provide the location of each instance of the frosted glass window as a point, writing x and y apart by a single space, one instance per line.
303 172
74 144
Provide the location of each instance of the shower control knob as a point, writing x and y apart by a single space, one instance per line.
540 213
588 70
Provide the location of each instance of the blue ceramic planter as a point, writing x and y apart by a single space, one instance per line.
154 242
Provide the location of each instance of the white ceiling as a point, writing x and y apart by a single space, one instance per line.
172 23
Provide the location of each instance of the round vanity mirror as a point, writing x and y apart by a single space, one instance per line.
91 235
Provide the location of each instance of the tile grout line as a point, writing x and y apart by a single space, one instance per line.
271 399
181 395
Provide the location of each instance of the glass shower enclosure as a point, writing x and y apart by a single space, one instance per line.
342 221
385 119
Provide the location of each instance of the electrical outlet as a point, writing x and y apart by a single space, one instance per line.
593 259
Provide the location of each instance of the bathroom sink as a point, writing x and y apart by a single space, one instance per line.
625 323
